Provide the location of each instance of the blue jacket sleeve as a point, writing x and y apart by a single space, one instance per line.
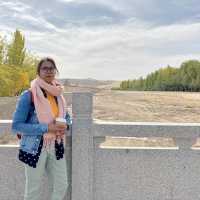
20 115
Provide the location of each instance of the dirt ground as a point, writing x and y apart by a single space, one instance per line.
147 106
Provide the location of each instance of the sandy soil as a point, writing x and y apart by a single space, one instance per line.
147 106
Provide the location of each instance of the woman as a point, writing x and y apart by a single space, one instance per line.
42 140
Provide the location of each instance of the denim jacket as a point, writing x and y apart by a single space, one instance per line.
26 122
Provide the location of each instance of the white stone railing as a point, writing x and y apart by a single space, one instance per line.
105 172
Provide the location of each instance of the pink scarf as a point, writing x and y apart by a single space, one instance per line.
42 105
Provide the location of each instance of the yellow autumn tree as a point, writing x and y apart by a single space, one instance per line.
17 66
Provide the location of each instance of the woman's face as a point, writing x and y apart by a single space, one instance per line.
47 71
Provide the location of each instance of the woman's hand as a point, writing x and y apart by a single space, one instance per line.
56 132
48 138
53 127
60 135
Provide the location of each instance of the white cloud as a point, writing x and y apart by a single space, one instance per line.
66 1
14 6
116 51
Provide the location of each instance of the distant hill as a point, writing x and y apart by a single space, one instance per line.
86 82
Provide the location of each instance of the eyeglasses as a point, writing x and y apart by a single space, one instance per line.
48 69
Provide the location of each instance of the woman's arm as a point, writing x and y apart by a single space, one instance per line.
20 116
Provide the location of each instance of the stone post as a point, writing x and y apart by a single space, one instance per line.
82 146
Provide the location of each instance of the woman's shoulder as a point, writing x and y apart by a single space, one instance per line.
25 95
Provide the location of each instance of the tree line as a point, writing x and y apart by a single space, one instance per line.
17 65
184 78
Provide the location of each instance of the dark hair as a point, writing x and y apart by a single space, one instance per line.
43 60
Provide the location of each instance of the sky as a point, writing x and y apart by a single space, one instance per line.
106 39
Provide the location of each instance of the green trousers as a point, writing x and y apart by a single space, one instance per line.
56 171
